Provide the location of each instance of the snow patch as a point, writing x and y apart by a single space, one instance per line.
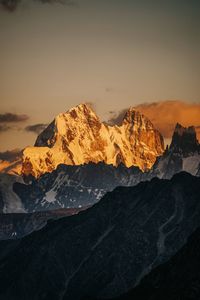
50 196
191 164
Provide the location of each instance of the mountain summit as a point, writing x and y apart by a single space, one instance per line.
78 136
184 140
68 126
182 155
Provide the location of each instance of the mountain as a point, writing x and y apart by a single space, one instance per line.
74 186
78 137
11 167
107 249
9 200
17 225
11 162
179 278
182 155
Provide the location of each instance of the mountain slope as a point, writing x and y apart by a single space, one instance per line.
74 186
78 137
179 278
106 250
11 162
11 167
9 200
79 186
17 225
182 155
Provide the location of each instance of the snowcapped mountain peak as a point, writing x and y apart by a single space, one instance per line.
137 119
65 125
82 109
77 137
82 114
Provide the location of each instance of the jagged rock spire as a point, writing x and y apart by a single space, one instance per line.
184 139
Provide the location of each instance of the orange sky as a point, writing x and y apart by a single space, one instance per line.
165 114
113 53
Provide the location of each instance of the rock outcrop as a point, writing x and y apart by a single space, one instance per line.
182 155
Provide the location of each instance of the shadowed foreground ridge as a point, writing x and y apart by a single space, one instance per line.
179 278
106 250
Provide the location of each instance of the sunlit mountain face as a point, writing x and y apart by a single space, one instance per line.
78 137
99 150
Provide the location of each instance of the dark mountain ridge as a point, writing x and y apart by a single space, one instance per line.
179 278
17 225
104 251
182 155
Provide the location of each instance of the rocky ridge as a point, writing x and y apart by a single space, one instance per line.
182 155
74 186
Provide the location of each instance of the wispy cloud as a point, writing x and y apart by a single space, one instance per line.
4 128
64 2
11 155
11 5
12 118
36 128
165 114
116 118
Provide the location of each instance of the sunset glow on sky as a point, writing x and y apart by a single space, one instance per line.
113 53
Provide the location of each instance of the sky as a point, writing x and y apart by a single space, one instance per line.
112 53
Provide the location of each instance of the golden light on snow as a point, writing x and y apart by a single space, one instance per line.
165 115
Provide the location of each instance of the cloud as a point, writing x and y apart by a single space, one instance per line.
64 2
12 118
116 118
11 5
165 114
11 155
4 128
36 128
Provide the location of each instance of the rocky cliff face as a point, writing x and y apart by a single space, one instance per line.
184 140
78 137
182 155
74 186
9 200
65 187
104 251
